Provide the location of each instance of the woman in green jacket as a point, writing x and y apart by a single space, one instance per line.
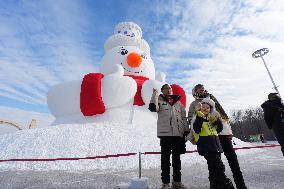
207 125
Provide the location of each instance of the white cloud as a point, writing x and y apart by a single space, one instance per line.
40 46
226 33
264 20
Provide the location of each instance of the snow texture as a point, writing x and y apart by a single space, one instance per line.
92 139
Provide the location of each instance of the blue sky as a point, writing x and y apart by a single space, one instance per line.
43 43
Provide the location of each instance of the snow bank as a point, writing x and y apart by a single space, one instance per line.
91 139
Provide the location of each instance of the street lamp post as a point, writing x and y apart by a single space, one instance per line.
260 53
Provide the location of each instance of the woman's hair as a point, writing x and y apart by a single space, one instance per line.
198 86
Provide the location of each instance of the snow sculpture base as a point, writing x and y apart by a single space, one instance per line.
123 186
139 183
115 115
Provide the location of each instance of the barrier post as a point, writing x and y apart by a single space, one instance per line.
139 182
139 165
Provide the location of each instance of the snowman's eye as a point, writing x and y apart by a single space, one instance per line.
124 51
144 56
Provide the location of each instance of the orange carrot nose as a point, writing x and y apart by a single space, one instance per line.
134 60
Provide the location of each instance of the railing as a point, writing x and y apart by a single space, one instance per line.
7 122
117 155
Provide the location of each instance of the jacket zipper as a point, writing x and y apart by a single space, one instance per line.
171 108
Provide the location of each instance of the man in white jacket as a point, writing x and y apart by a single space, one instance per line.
172 126
199 93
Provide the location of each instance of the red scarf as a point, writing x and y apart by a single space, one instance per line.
139 80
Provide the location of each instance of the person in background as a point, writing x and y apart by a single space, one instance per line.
274 117
207 124
199 93
172 126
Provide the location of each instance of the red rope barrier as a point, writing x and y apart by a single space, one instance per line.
265 146
70 159
121 155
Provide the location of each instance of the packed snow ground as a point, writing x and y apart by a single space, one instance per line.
91 139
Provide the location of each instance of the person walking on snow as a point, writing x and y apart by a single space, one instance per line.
207 124
199 93
172 126
274 117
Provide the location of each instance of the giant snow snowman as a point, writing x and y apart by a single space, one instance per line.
121 89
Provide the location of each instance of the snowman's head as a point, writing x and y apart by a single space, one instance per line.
133 60
129 29
127 48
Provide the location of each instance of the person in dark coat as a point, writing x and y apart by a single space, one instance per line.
274 117
207 124
199 93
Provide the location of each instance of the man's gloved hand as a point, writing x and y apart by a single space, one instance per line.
226 120
185 133
198 106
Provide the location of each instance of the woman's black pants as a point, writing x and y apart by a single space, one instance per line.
217 176
233 161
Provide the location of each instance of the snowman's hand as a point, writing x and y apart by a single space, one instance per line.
161 76
118 90
147 89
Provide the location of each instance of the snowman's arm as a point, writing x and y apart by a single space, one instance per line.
91 102
118 90
101 92
161 77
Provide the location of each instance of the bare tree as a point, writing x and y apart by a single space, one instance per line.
250 122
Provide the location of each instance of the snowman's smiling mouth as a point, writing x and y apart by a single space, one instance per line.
129 70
